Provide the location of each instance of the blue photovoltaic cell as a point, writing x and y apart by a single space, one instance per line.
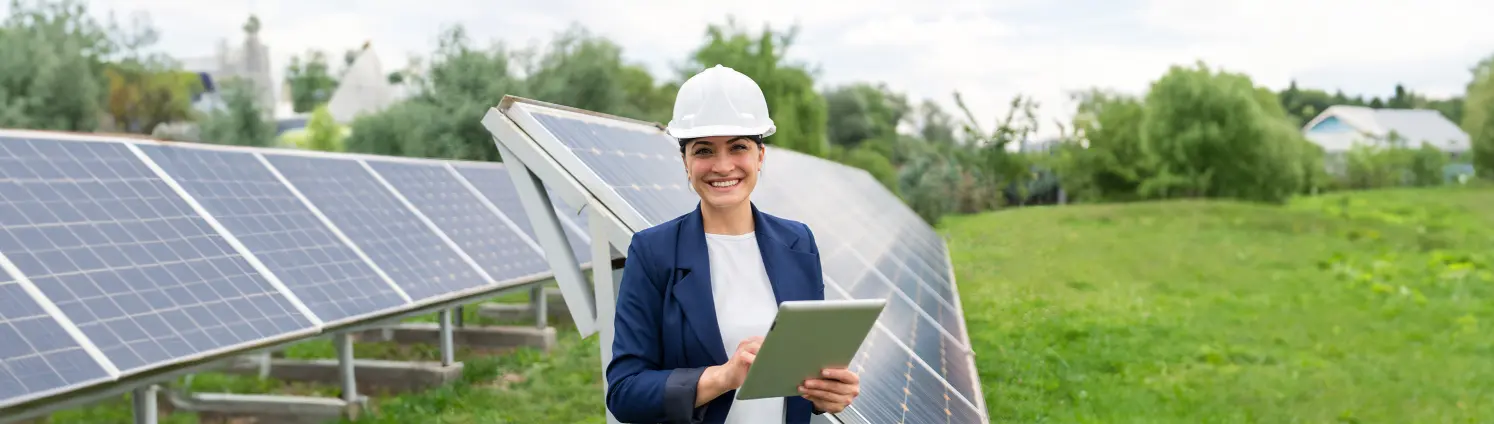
643 167
462 216
37 356
494 182
392 236
144 277
280 230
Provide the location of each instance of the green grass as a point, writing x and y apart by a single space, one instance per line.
1362 308
1367 307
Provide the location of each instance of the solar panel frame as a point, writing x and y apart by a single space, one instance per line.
322 220
522 114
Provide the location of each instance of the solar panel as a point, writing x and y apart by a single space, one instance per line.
497 186
459 213
645 169
408 250
895 388
926 378
37 357
278 228
144 277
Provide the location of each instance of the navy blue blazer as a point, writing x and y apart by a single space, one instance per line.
666 330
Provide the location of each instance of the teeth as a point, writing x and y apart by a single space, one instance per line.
725 183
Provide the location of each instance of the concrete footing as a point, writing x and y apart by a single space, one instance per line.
236 408
488 337
555 309
374 376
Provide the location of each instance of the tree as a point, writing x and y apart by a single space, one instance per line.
310 79
875 164
143 96
934 125
1214 134
322 132
862 111
1105 159
241 122
582 70
798 110
1478 116
51 76
990 157
445 119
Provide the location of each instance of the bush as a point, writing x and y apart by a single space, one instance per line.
930 184
867 158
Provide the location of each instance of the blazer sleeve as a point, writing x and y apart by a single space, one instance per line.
638 390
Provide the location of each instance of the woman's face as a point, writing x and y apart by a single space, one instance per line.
723 170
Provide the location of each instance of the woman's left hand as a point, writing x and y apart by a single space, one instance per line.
834 391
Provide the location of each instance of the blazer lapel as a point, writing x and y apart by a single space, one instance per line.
695 287
788 269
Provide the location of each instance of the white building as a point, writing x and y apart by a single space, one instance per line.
1339 128
250 61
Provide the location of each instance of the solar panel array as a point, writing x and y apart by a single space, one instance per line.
122 257
917 363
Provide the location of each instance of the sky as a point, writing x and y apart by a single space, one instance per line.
989 51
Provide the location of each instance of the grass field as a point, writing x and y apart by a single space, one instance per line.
1364 308
1367 308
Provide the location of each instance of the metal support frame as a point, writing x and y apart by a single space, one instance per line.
144 400
547 228
539 304
605 282
344 344
448 347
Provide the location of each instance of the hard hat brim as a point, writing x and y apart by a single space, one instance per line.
719 130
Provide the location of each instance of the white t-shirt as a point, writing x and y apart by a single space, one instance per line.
745 307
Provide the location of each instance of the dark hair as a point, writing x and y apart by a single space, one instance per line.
755 138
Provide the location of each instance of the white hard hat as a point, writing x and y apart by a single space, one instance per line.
720 101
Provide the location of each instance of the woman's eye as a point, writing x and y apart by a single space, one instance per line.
703 152
739 147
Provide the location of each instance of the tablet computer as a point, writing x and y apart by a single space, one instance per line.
807 336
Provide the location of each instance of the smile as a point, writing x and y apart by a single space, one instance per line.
726 183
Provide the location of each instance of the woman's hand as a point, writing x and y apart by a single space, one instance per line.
834 391
729 376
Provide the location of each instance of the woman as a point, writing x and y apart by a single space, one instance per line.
700 291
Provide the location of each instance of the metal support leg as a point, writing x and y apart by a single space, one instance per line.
460 319
604 285
551 237
145 405
344 344
448 348
539 304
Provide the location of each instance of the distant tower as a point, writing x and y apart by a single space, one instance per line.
255 64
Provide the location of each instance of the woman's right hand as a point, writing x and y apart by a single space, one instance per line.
735 370
726 377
